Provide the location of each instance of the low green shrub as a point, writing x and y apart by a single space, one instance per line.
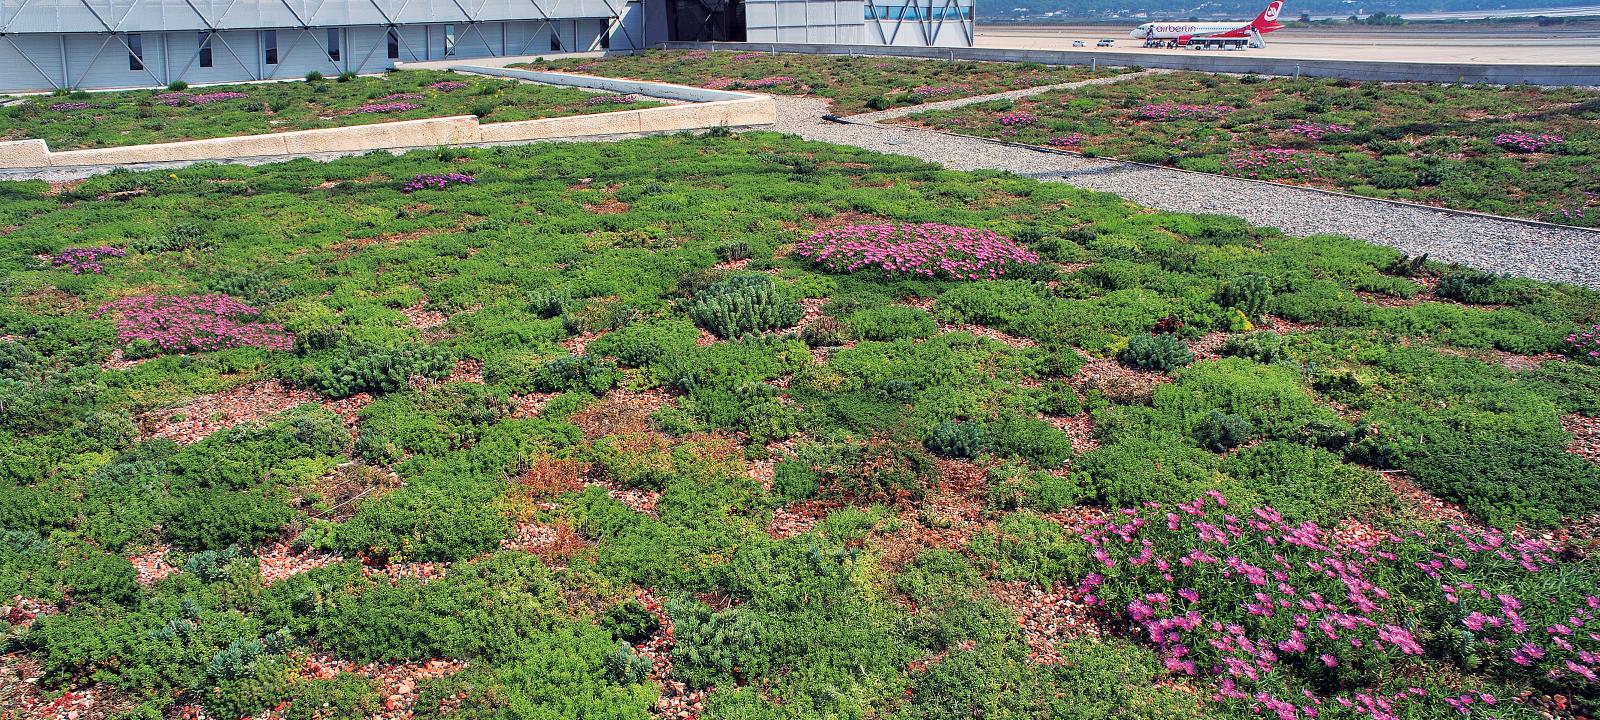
584 373
1162 353
744 305
371 367
890 322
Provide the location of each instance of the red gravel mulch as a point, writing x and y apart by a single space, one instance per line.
1047 618
677 701
152 564
279 561
1585 436
800 518
206 414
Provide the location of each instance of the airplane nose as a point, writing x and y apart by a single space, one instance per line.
1135 34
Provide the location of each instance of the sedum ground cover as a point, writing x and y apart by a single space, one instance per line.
753 427
89 120
851 84
1520 151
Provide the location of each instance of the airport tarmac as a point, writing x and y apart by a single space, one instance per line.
1512 45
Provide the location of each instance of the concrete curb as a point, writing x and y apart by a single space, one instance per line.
708 108
1336 193
1492 73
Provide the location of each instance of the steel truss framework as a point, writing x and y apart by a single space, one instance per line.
926 18
116 19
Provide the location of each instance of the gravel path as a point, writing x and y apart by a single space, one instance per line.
1007 95
1543 253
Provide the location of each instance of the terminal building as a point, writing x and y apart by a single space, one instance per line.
99 44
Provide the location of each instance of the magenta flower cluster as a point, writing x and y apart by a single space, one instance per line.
1068 140
176 99
1248 599
386 107
719 83
1526 142
1181 111
1316 131
611 100
1585 343
85 259
436 182
749 56
929 250
936 90
1016 118
1270 163
449 85
696 55
193 323
767 82
69 106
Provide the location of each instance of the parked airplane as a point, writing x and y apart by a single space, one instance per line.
1211 34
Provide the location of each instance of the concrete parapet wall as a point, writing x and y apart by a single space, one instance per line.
715 109
669 91
1211 61
24 153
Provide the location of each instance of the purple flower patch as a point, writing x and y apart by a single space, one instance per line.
193 323
924 250
85 259
436 182
1526 142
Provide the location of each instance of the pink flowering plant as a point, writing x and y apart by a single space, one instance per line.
159 324
385 107
85 259
1293 620
69 106
177 99
1316 130
1585 344
1271 163
1016 118
925 250
1162 112
1527 142
449 85
428 181
1068 140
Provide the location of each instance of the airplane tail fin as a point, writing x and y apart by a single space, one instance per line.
1267 21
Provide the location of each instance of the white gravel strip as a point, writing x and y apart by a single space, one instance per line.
1007 95
1543 253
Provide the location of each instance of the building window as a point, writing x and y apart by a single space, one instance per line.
449 40
605 39
205 49
333 44
394 45
135 51
269 46
555 40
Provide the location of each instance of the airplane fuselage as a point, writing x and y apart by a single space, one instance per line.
1174 30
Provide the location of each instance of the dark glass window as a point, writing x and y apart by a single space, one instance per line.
605 39
135 51
269 46
333 44
555 40
394 45
449 40
205 49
